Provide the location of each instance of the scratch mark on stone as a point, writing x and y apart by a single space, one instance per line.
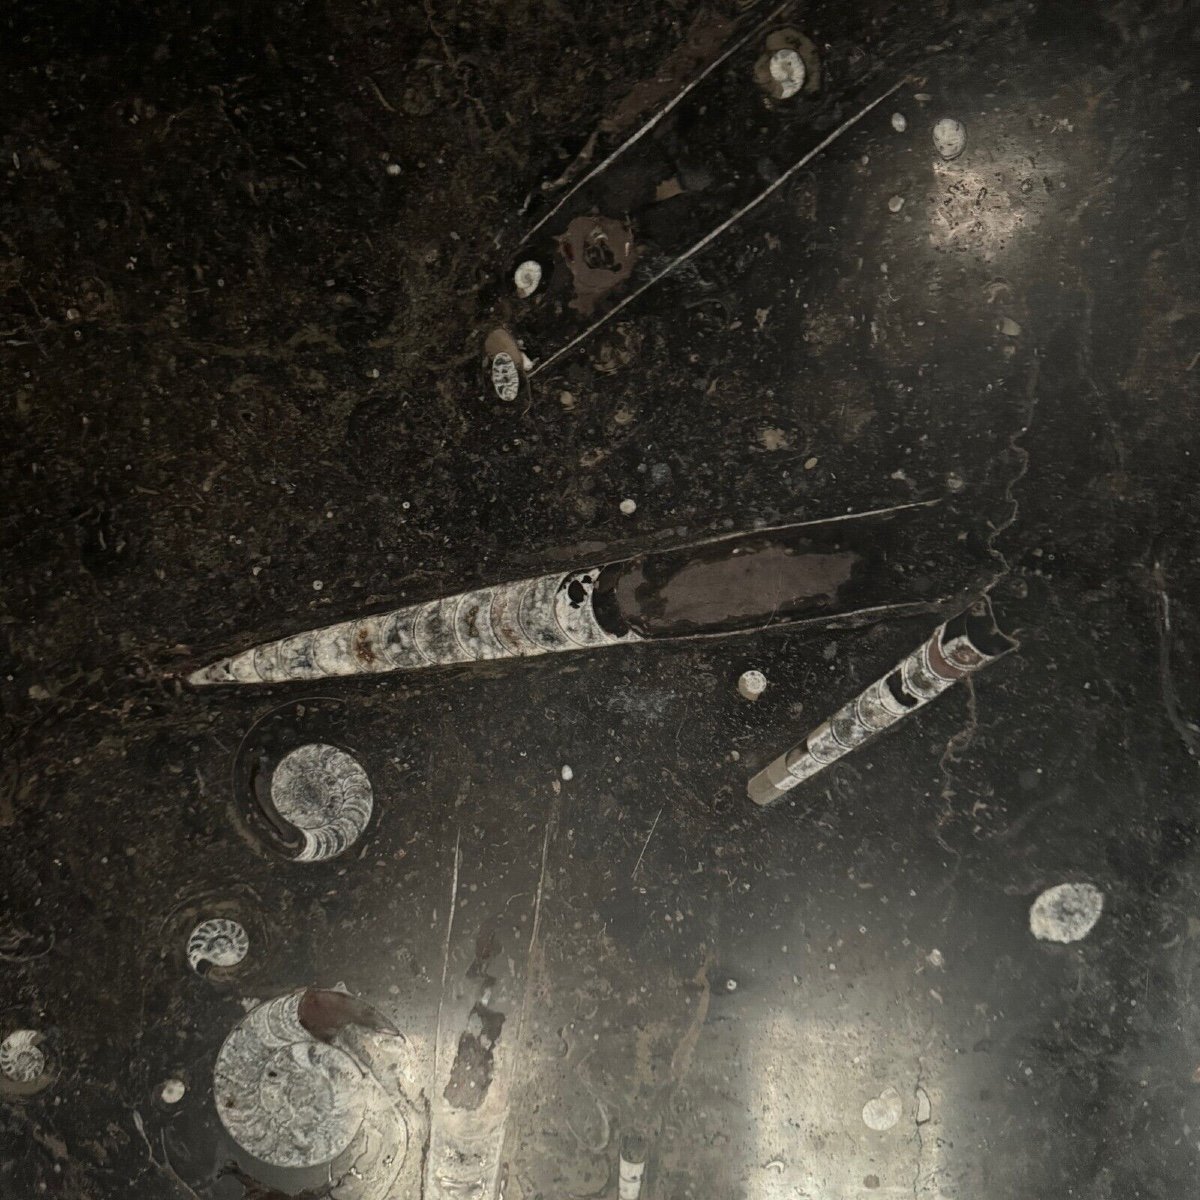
658 116
1188 731
952 753
653 827
526 998
1015 448
437 1034
710 237
164 1167
920 1136
537 900
681 1060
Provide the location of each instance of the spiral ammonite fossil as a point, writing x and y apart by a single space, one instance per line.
282 1095
326 794
219 942
20 1058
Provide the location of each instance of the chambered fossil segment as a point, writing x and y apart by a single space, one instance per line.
292 1093
217 942
513 620
21 1060
844 570
954 651
325 793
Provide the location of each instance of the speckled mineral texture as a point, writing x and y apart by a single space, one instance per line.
249 257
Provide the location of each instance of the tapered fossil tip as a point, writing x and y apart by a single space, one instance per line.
218 672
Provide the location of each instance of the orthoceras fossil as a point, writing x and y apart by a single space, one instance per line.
953 651
831 573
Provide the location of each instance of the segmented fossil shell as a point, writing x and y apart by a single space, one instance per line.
506 379
535 616
326 794
283 1096
219 942
20 1059
955 650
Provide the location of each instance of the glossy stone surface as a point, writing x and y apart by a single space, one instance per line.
250 255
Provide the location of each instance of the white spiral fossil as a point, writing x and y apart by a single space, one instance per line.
20 1058
283 1096
219 942
535 616
324 793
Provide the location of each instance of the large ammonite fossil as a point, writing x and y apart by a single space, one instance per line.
324 793
292 1098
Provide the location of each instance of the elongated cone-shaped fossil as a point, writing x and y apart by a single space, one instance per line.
845 570
535 616
953 651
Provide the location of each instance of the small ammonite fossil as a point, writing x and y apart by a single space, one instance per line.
219 942
21 1059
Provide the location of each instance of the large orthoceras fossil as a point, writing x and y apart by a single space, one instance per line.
832 573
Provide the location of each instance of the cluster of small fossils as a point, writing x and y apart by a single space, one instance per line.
325 793
288 1087
599 253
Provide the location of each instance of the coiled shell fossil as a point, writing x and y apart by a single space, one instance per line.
283 1096
326 794
787 72
527 277
20 1058
789 65
219 942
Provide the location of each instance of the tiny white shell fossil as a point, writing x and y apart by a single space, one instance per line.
628 507
283 1096
883 1111
895 204
527 277
172 1091
949 138
1066 913
788 71
506 379
218 941
899 122
326 794
752 684
20 1059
